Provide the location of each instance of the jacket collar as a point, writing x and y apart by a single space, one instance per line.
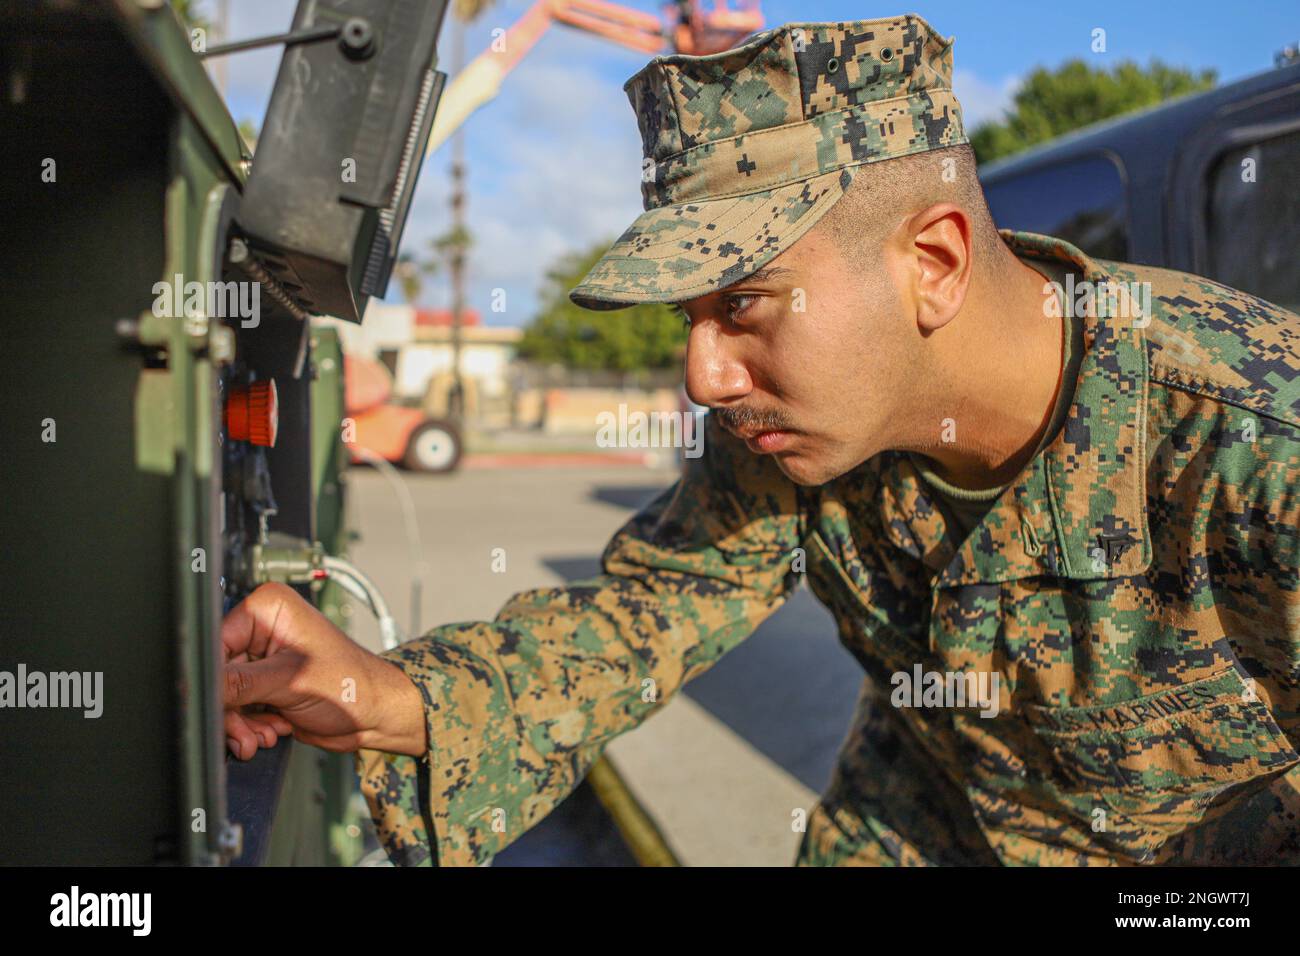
1078 509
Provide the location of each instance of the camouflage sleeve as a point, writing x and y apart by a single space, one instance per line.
1280 537
517 710
1254 556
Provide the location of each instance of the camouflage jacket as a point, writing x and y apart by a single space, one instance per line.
1136 590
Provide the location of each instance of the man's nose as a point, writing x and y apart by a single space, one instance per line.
714 373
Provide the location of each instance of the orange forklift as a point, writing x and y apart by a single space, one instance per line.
403 434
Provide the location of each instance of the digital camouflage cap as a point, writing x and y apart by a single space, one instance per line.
746 149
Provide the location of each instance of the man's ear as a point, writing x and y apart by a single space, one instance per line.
938 240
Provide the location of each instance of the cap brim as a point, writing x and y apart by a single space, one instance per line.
681 252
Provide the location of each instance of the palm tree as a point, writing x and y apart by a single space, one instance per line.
411 273
453 244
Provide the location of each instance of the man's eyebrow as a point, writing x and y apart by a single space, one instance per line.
765 274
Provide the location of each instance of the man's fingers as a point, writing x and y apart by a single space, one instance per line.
260 617
260 682
267 733
277 723
245 733
240 738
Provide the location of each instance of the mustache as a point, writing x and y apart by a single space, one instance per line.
744 418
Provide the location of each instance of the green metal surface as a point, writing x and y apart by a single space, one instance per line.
88 574
161 42
114 551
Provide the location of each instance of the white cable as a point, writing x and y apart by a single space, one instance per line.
411 525
352 587
339 569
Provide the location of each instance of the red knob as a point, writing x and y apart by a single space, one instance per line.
253 413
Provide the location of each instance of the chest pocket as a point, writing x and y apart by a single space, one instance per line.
1158 765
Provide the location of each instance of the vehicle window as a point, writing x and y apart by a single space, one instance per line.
1253 221
1081 201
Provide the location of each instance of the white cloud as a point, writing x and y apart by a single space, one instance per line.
983 101
250 75
553 167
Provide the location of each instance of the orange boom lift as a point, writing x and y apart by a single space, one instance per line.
687 26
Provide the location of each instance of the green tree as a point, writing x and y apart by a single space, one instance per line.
468 10
248 129
1052 102
188 11
410 272
640 337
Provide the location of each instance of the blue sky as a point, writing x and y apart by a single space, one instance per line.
554 161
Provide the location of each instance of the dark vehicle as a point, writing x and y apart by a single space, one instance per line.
1204 184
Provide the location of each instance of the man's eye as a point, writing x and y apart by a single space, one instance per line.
738 305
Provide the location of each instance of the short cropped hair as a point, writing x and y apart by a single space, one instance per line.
883 191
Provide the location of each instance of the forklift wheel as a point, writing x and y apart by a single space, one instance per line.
433 447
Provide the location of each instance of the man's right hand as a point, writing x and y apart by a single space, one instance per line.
315 682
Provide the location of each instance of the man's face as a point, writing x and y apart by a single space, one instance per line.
802 358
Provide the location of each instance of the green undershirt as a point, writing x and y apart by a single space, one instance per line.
964 508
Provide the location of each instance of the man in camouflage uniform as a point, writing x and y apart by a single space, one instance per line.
1125 563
